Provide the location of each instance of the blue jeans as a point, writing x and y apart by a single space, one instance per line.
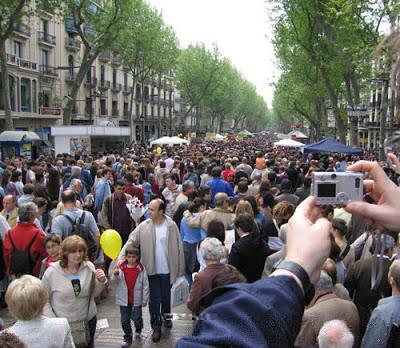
129 313
160 295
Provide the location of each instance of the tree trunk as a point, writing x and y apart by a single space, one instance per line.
132 101
8 124
221 123
83 69
159 105
382 121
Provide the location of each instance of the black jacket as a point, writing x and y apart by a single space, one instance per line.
248 255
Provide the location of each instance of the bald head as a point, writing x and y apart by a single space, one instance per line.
221 198
394 275
335 333
9 202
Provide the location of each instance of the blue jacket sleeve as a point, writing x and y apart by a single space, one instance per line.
99 198
266 313
229 190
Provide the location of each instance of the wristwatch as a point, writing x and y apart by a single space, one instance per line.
296 269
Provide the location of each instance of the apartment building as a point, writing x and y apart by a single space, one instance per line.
43 57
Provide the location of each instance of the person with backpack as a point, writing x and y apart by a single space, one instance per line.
23 244
75 221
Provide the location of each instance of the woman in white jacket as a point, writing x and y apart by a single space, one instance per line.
26 298
72 284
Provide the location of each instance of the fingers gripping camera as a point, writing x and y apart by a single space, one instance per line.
337 188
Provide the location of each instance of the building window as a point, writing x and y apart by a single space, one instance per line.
44 27
88 106
25 95
71 67
152 111
102 74
114 108
11 83
138 91
17 49
114 76
44 99
45 58
126 79
126 109
165 112
34 96
103 110
137 110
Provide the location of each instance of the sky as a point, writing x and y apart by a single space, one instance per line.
240 29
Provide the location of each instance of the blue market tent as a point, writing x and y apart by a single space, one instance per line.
331 145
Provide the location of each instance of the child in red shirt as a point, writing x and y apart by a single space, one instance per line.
132 292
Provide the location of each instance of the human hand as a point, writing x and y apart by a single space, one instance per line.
308 238
395 162
116 271
100 275
386 195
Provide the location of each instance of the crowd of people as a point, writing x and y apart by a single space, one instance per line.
264 264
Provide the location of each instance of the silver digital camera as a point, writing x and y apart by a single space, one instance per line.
337 188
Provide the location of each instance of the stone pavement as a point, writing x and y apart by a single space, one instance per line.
112 337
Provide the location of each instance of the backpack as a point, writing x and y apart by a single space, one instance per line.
79 228
21 261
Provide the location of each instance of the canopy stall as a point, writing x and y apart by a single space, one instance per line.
331 145
288 143
19 143
169 141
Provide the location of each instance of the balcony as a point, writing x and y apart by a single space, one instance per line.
48 71
46 39
26 64
69 25
126 113
372 124
104 56
116 60
127 89
12 59
104 85
72 44
90 82
47 110
69 78
103 112
138 96
116 87
115 112
22 31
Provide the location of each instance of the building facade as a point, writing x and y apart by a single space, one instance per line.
43 57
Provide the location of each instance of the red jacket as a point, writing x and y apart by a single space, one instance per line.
22 235
134 191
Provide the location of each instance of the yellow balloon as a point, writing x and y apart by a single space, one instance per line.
111 243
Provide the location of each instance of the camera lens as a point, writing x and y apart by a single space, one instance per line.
333 176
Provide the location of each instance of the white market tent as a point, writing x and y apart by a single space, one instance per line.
288 143
18 136
169 141
219 137
297 134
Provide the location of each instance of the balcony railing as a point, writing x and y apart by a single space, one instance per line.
26 64
103 112
12 59
104 56
48 70
69 25
90 82
116 60
46 38
126 113
104 84
69 77
115 112
47 110
127 89
116 87
72 44
22 30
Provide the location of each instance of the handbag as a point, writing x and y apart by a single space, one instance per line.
80 328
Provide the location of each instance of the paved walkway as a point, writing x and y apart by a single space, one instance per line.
112 336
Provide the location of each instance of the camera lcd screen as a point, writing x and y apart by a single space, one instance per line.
326 190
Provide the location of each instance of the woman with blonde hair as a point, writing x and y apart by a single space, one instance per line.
26 298
72 284
244 207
